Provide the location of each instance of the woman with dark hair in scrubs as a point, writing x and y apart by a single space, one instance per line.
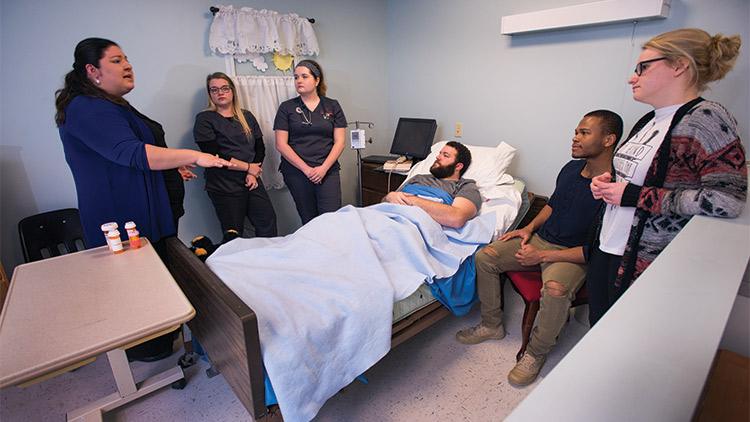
310 136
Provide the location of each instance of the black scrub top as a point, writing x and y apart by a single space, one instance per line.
216 134
312 142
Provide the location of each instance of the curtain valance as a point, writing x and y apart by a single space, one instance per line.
249 32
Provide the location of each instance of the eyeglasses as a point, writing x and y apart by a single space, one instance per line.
639 67
215 90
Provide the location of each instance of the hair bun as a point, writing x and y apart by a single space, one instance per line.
722 46
711 57
722 54
714 47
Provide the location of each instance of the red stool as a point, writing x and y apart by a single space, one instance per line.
529 285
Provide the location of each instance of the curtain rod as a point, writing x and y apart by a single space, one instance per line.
215 9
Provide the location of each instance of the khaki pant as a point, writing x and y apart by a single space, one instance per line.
553 310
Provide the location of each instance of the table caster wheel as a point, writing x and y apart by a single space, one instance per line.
179 384
188 360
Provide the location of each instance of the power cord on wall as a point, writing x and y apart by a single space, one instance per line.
627 72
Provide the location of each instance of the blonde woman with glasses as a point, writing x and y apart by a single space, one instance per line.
682 159
233 134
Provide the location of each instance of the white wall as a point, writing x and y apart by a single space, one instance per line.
167 43
384 59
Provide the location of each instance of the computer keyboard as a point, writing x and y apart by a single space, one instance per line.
378 159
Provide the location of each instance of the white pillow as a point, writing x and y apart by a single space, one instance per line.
487 167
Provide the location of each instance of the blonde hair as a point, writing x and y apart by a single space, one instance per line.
236 109
709 57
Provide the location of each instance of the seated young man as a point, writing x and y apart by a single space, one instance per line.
552 243
446 172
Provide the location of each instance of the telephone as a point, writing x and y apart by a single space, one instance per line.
399 164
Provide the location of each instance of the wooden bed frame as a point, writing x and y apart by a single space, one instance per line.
228 328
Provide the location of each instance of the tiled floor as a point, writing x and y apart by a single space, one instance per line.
429 377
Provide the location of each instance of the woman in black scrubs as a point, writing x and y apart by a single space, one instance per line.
310 135
234 135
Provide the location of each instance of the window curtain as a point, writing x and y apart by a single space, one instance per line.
247 33
262 96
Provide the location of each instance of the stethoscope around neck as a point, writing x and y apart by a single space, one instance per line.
307 119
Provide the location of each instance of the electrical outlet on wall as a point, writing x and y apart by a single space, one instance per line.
459 129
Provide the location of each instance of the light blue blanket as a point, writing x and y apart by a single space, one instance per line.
324 295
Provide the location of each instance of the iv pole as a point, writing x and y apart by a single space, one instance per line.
370 125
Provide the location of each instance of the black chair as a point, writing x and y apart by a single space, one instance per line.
51 234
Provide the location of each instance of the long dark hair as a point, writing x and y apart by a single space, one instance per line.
317 73
88 51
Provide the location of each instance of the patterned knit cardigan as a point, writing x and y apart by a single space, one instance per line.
699 169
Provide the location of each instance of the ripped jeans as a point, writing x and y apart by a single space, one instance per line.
553 310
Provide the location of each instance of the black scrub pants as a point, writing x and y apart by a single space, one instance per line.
310 199
600 283
253 204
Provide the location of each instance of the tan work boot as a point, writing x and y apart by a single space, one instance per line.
526 370
479 334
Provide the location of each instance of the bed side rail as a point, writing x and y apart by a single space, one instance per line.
225 326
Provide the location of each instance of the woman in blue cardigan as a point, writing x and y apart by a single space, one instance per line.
117 156
113 151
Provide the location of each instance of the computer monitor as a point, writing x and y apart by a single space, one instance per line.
414 137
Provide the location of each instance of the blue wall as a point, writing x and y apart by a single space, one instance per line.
167 42
448 60
384 59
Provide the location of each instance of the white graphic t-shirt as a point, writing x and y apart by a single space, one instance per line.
631 163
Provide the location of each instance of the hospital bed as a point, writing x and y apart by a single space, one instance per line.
228 328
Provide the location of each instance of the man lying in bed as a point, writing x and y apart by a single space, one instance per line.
444 195
324 295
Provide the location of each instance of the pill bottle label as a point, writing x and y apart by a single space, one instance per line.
106 228
115 243
135 239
